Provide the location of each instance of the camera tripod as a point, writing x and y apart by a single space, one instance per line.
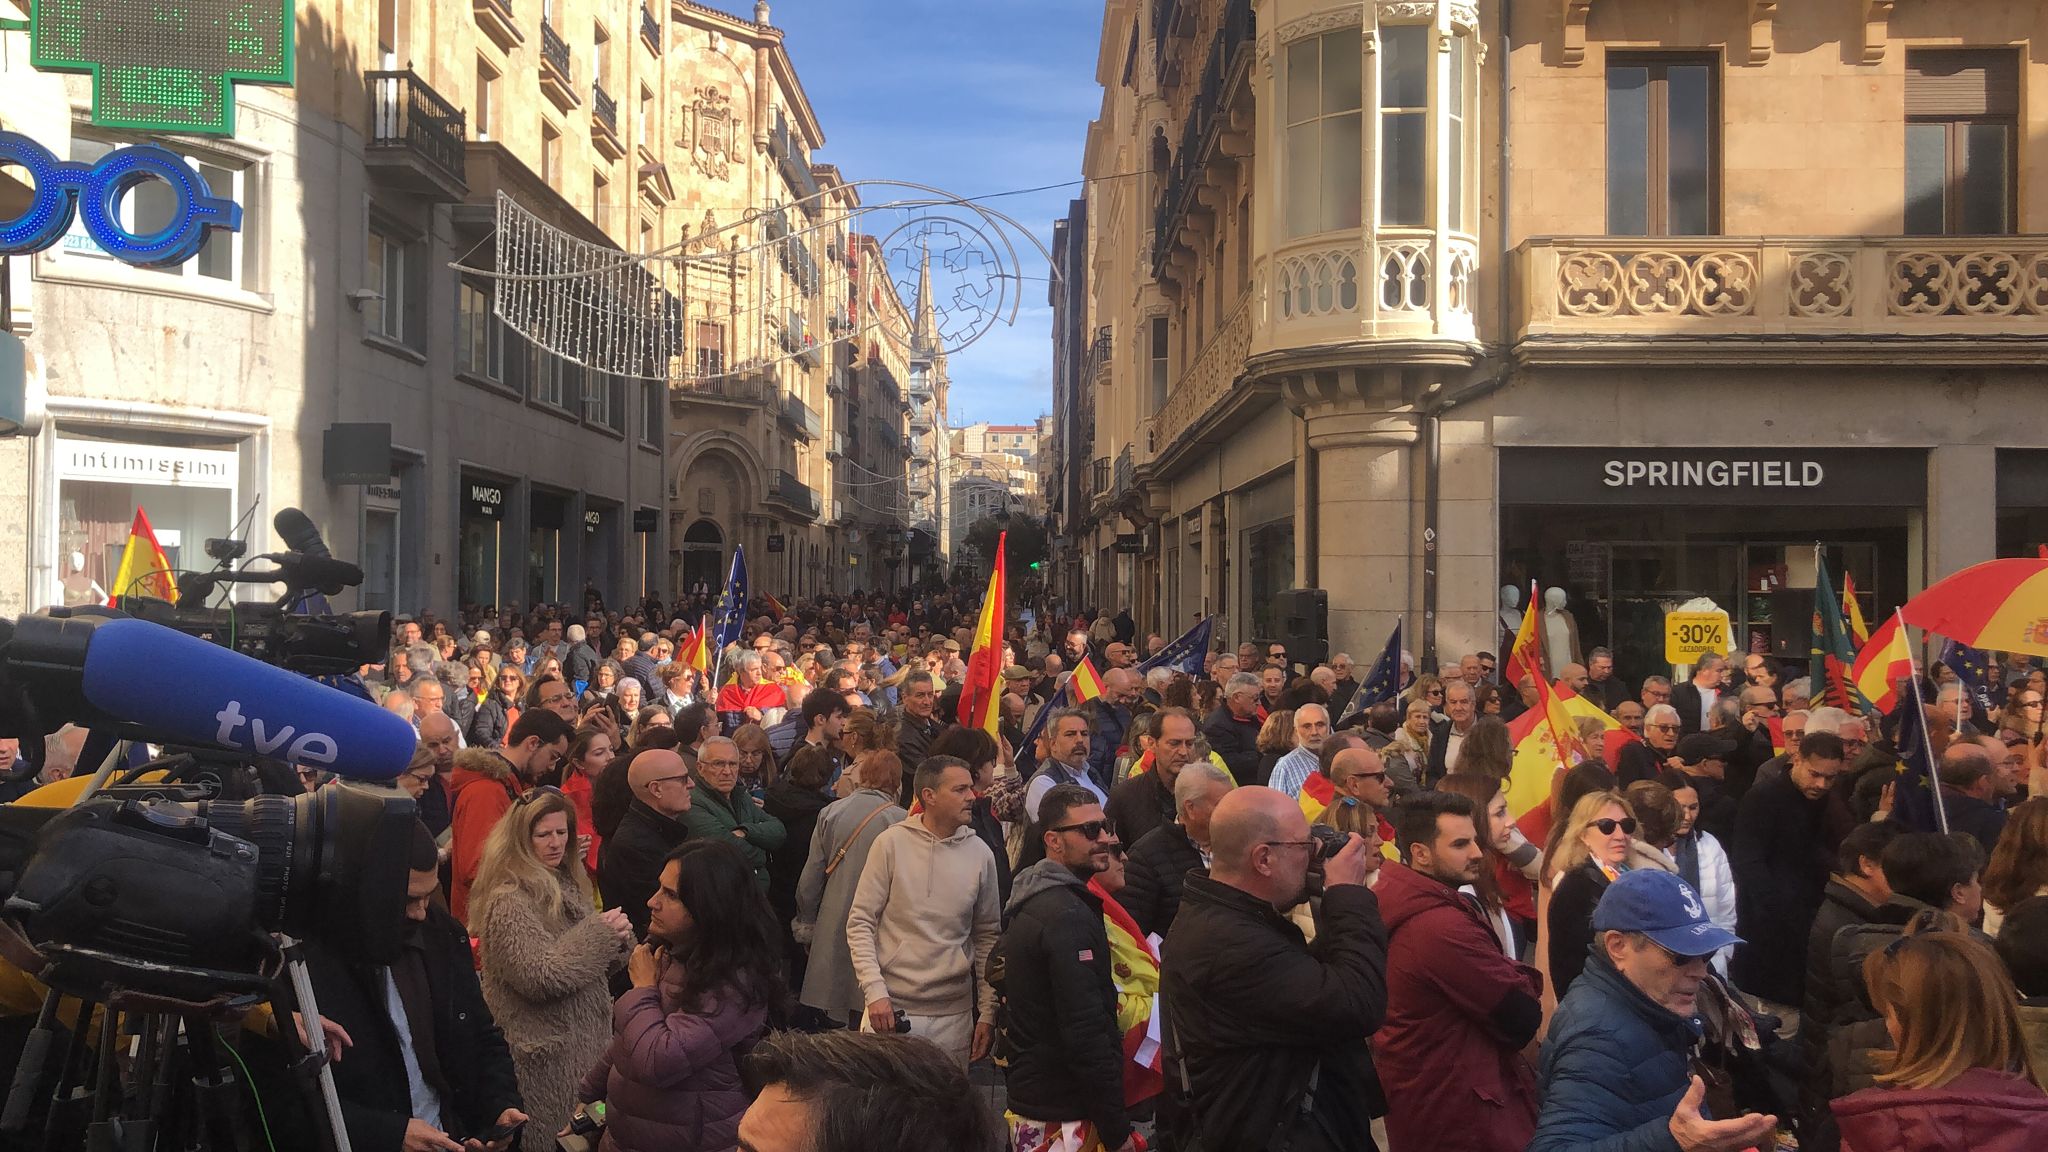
153 1074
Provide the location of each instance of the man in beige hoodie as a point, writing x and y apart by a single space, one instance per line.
926 915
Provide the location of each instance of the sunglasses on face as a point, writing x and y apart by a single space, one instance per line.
1089 829
1607 827
1679 960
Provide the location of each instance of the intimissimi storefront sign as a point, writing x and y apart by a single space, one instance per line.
1820 477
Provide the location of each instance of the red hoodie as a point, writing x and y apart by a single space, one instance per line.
1978 1111
480 791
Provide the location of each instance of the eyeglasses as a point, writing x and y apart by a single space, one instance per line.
1309 843
1765 705
665 779
1607 827
532 794
557 698
1368 776
1662 727
1089 829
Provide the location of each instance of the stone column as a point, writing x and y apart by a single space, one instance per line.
1368 486
1468 541
1962 518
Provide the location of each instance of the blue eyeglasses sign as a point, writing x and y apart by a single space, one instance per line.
94 194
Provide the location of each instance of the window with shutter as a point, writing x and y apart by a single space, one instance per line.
1962 121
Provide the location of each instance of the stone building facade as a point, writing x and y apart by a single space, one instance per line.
1639 300
206 394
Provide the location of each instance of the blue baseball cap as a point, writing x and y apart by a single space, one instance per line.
1664 908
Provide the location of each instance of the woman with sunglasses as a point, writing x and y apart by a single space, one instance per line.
546 955
1586 855
1947 1085
498 709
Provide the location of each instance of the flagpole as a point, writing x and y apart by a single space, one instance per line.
1926 741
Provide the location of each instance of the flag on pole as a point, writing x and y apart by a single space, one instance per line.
1830 653
775 607
1525 655
694 651
1916 794
1883 661
1381 683
2000 605
1972 666
1852 612
1546 740
1086 683
144 570
1188 653
730 616
981 693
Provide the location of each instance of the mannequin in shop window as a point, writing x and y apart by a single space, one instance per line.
1560 631
1510 616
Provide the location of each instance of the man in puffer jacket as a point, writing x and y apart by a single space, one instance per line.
1616 1073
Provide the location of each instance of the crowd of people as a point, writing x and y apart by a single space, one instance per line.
788 902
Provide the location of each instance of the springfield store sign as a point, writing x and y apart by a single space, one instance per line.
1867 477
146 464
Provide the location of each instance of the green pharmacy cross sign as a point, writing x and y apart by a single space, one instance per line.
165 65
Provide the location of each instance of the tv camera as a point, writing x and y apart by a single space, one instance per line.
175 893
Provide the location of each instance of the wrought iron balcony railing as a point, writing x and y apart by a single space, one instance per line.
794 495
650 29
412 123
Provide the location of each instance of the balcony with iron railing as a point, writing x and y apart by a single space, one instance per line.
794 494
417 138
800 418
604 123
557 81
795 166
1099 472
1938 299
650 29
746 385
1208 121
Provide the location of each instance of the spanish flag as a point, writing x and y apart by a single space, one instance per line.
981 694
1546 742
1881 663
1086 683
144 570
694 651
1852 613
1525 656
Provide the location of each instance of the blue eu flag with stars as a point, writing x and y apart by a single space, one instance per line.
1916 794
1187 653
1381 683
729 619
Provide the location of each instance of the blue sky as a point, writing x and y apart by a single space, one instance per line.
972 96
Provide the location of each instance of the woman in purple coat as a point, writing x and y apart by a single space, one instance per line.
703 987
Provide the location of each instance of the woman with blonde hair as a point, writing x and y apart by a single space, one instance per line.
846 829
2019 862
1588 854
1407 754
546 955
1276 739
1959 1078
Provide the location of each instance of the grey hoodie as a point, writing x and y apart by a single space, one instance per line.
1043 876
923 921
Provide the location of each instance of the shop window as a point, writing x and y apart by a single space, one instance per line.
479 334
148 207
1405 61
1663 146
397 272
1322 111
1962 110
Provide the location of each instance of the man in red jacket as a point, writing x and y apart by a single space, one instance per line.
485 783
1459 1011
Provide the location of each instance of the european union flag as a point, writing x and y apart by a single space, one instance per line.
729 619
1916 794
1972 666
1187 653
1383 682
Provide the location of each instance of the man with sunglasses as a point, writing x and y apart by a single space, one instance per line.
1268 1037
484 784
1056 1032
1616 1064
629 866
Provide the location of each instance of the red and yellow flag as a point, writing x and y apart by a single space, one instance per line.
1852 613
1546 741
1999 605
981 693
694 652
1881 663
1086 683
1525 656
144 570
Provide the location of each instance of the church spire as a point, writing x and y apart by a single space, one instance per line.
922 328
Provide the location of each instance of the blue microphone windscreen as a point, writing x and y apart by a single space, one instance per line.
181 689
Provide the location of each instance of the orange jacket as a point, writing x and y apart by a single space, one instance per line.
480 791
